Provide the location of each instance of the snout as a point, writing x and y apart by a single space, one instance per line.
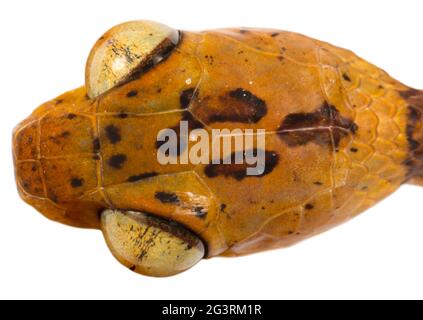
54 160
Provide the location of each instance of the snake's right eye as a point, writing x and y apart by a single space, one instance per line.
124 52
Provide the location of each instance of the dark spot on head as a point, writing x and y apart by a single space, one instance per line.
222 207
317 183
141 176
116 161
200 212
77 182
354 150
132 93
167 197
113 134
96 145
346 77
238 105
320 126
65 134
239 171
309 206
186 97
71 116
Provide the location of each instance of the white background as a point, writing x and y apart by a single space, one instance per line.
44 45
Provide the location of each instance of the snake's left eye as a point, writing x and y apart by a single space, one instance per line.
126 51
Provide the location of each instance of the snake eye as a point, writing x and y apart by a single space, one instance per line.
126 51
149 245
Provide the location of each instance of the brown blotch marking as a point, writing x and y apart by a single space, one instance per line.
122 115
193 123
59 101
354 150
77 182
274 34
132 268
71 116
414 131
186 97
413 118
318 183
327 116
167 197
116 161
413 97
141 176
132 93
239 171
243 31
222 207
309 206
346 77
113 134
239 105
